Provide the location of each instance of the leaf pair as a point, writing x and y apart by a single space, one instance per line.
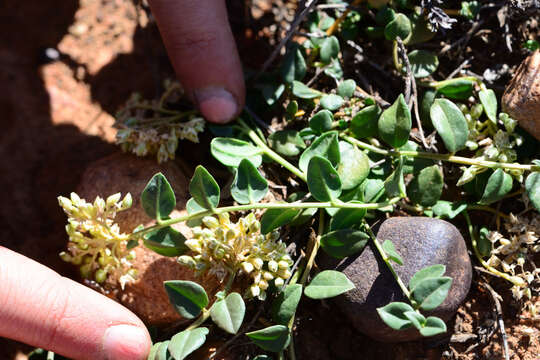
180 345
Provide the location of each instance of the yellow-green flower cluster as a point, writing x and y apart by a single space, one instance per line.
513 253
222 247
96 244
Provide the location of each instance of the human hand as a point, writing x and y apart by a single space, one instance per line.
41 308
202 50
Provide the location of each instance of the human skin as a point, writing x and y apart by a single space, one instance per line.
41 308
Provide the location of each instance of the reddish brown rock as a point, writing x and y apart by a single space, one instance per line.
521 99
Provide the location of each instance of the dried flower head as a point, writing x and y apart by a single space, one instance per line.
96 244
223 247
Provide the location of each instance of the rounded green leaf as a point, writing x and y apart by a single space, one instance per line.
391 252
532 186
450 124
274 338
187 297
431 292
157 198
458 89
228 313
323 180
417 319
448 209
230 152
293 66
286 142
433 326
332 102
303 91
400 27
489 102
275 218
353 167
426 187
326 146
384 15
394 316
395 123
248 186
394 185
165 241
423 63
346 88
364 123
204 188
284 306
347 218
329 49
344 242
321 121
498 185
186 342
433 271
327 284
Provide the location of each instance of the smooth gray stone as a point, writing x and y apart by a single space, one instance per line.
421 242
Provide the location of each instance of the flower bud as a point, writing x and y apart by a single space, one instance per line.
85 271
187 261
65 256
263 284
279 282
283 264
113 199
268 276
258 263
272 266
127 202
247 267
210 222
100 275
254 291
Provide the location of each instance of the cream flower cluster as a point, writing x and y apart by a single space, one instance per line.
513 253
96 244
222 247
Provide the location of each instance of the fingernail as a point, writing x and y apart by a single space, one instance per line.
125 342
216 104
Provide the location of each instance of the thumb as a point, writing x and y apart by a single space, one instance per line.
202 50
41 308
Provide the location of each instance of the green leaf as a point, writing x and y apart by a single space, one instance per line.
395 123
187 297
489 102
353 167
394 184
498 185
400 27
334 70
394 316
262 357
329 49
323 180
426 187
160 351
286 142
484 245
325 146
332 102
391 252
186 342
417 319
450 124
304 92
431 292
347 218
284 306
275 218
457 89
274 338
204 188
293 66
433 271
346 88
373 189
364 123
344 242
433 326
157 198
248 186
532 186
321 121
413 164
423 63
230 152
327 284
447 209
271 91
165 241
384 15
228 313
192 207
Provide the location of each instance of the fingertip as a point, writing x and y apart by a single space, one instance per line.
126 342
216 104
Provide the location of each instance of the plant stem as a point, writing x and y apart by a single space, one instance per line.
314 249
443 157
488 267
388 263
271 153
305 205
205 314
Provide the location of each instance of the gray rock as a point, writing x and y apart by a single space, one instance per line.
421 242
